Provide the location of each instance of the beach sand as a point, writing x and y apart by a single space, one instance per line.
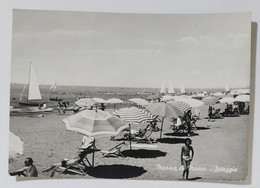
220 150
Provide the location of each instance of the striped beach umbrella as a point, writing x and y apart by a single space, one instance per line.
210 100
164 110
194 103
134 115
184 107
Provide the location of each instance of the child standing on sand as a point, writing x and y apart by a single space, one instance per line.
187 154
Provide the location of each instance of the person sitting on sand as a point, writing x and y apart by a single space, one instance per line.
186 157
29 170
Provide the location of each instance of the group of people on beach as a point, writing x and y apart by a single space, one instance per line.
187 154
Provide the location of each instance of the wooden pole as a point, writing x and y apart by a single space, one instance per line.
94 148
130 137
161 127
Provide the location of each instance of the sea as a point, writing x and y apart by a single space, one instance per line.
73 93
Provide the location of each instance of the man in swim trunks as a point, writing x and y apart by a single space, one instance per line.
28 171
187 154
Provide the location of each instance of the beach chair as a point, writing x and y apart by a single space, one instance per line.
141 136
76 165
113 152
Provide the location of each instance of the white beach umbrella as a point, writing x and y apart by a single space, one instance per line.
243 98
114 101
99 100
167 97
139 101
227 100
15 145
85 102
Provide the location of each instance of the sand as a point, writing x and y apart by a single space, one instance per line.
220 150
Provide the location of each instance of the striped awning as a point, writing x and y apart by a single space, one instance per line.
134 115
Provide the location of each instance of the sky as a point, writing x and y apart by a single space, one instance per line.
132 50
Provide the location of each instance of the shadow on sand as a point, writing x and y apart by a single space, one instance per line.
202 128
171 140
193 179
116 171
180 134
143 153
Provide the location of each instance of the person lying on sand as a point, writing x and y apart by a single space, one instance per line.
29 170
186 158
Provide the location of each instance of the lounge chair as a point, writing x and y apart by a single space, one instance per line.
141 136
76 165
113 152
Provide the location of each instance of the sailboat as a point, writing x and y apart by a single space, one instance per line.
227 87
52 89
34 96
170 88
182 89
162 90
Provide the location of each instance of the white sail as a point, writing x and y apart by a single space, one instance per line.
34 91
227 88
170 88
162 88
53 86
182 88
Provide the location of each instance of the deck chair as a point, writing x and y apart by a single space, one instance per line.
113 152
141 136
76 165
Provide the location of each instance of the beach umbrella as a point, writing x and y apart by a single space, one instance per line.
139 101
243 91
134 115
99 100
167 97
153 97
243 98
85 102
94 123
227 100
218 94
15 145
164 110
184 107
210 100
194 103
114 101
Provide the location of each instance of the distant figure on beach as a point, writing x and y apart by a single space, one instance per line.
29 170
187 154
187 118
102 107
